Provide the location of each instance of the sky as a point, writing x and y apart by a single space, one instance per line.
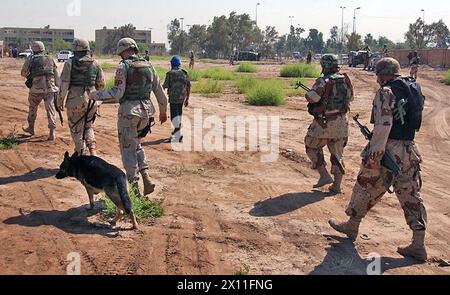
388 18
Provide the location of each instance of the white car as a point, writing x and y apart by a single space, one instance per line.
64 55
26 53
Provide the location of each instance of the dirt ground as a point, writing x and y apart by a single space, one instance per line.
224 212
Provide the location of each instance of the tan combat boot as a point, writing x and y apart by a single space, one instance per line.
29 129
336 187
52 135
417 248
325 177
93 151
149 187
349 228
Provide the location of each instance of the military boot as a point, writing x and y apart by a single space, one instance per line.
336 187
52 135
325 177
417 248
29 129
149 187
349 228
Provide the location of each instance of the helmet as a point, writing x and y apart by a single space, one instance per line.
38 46
329 61
81 45
388 66
175 62
125 44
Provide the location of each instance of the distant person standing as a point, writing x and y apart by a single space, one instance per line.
410 57
43 81
191 60
147 56
309 57
179 89
414 63
385 51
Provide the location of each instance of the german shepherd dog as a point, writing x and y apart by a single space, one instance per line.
98 176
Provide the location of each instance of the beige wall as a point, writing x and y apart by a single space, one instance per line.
432 57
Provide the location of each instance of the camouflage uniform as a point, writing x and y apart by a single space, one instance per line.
43 71
135 109
329 128
191 60
178 85
80 76
374 180
415 61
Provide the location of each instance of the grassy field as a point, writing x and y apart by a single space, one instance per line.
246 67
208 88
447 78
266 93
300 71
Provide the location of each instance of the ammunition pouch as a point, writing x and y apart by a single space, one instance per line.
148 129
29 82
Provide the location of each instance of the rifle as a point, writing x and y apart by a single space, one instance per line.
388 160
302 86
55 102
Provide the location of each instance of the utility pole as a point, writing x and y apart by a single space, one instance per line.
423 10
342 29
291 18
182 23
257 5
354 19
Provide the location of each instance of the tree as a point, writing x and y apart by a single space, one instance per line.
370 41
314 41
113 37
280 45
197 38
269 41
219 38
60 44
440 34
333 41
419 35
354 42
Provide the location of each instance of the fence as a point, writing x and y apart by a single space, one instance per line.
431 57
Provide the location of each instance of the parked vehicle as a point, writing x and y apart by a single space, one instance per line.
317 56
357 58
374 59
248 56
296 55
64 55
25 53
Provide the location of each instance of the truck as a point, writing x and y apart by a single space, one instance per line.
64 55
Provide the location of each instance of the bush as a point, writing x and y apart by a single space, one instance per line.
218 73
9 142
142 207
110 83
207 87
161 72
246 67
194 75
300 71
447 78
244 83
266 93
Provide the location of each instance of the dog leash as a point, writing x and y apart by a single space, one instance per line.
91 105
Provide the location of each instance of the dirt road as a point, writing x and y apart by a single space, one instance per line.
224 212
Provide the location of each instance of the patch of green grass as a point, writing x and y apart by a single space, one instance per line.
110 83
161 72
267 93
218 73
159 57
208 88
194 75
244 83
108 66
9 142
447 78
246 67
300 71
143 208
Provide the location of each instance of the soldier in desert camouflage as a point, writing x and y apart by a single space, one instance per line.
135 80
42 71
392 134
330 101
80 76
414 63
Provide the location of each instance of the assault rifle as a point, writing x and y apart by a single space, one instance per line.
302 86
388 160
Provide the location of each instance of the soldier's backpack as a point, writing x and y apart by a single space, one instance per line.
407 89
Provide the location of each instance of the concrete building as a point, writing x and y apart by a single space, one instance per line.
1 49
141 37
23 37
158 49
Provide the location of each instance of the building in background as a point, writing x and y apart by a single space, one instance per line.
142 37
23 37
1 48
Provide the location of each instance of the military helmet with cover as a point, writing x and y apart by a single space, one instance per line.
125 44
38 46
81 45
388 66
329 61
